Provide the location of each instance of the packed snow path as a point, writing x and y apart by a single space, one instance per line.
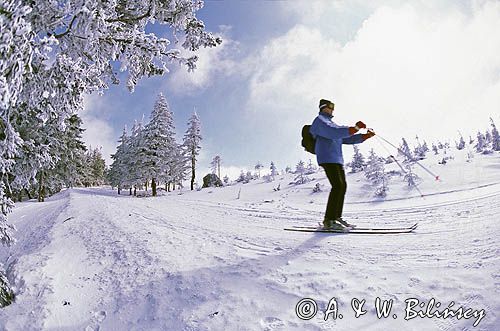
88 259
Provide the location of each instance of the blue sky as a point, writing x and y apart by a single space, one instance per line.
406 68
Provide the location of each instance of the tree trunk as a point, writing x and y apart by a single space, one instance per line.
41 189
119 189
130 191
135 190
147 185
153 186
193 174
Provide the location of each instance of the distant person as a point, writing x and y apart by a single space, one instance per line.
329 139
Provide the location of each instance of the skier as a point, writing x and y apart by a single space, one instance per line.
329 139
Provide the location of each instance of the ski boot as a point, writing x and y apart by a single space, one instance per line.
344 223
332 225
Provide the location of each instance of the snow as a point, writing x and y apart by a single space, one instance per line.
88 259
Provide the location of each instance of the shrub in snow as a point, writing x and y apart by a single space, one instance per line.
381 191
311 169
410 177
317 188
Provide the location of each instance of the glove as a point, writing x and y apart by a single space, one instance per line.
368 135
360 125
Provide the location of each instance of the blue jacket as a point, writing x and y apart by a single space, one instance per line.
329 139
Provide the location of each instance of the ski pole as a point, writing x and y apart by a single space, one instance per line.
408 156
400 166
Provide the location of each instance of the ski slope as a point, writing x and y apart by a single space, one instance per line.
88 259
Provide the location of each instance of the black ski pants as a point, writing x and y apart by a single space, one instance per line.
336 175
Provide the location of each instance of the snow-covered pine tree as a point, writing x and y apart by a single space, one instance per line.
435 149
192 140
135 177
495 137
375 173
480 144
461 143
421 150
179 166
159 150
258 167
410 177
241 178
404 150
97 166
215 165
288 170
274 171
248 176
358 162
311 168
300 171
226 179
118 169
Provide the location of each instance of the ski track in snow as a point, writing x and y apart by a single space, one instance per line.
92 260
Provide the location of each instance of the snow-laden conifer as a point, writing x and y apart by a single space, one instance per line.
215 165
192 143
495 137
404 151
375 173
158 146
358 162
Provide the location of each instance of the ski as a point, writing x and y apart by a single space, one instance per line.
353 231
413 227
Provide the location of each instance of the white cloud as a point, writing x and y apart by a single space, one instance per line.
409 70
98 133
211 61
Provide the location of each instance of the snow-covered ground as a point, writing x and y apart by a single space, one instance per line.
88 259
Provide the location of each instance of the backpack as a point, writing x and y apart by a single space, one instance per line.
308 142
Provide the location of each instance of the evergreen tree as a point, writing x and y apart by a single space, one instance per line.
300 171
158 150
258 167
375 173
495 137
404 150
435 149
136 176
311 168
461 143
192 140
410 177
274 171
119 168
358 161
215 165
480 144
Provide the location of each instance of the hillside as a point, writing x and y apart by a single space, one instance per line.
88 259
